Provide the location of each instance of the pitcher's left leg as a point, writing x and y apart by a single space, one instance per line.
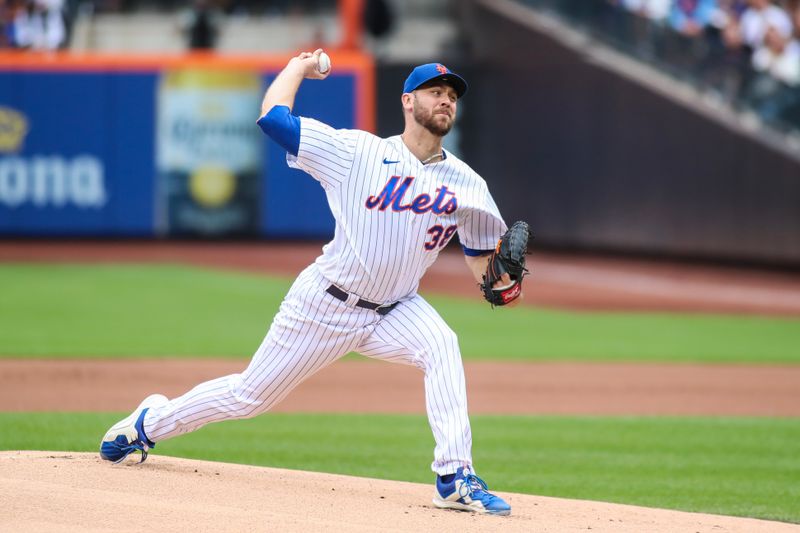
413 333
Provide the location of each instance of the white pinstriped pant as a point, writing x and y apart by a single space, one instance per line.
312 330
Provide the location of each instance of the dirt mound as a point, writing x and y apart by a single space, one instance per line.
65 491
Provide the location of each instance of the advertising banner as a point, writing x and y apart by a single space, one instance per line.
161 146
209 152
76 154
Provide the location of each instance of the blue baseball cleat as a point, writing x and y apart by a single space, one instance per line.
127 435
468 492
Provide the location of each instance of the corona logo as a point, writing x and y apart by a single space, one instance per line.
52 181
13 128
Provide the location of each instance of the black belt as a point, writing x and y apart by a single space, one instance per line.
381 309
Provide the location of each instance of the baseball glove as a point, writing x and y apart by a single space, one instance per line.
507 258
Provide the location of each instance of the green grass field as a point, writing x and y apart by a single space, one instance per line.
170 310
743 467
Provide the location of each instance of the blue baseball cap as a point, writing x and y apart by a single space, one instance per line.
434 71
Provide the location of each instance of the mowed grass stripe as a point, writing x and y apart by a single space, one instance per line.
731 466
176 310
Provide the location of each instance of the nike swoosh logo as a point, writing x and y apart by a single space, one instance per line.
387 162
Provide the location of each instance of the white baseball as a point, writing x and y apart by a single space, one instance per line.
323 63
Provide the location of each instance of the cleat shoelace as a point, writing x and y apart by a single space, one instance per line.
472 483
130 448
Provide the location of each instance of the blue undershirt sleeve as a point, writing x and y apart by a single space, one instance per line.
282 127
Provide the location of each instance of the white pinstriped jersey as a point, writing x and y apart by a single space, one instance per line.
393 214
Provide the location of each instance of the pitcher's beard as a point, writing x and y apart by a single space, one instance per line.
428 121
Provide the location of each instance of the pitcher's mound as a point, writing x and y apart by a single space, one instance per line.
66 491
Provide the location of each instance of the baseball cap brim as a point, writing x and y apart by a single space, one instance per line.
434 72
453 80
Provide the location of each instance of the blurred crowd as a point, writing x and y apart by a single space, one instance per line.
746 51
33 24
228 7
46 24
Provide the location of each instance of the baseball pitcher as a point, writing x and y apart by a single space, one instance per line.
397 202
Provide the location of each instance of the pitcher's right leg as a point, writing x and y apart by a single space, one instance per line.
312 330
414 333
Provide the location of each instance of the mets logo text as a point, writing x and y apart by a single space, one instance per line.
444 203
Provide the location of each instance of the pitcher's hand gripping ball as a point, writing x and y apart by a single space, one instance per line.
507 258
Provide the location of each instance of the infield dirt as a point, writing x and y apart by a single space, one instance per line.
378 387
66 492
